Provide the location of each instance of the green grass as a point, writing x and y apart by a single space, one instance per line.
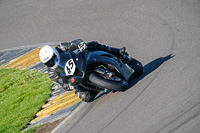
33 129
22 93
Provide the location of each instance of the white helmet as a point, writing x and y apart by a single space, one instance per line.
48 54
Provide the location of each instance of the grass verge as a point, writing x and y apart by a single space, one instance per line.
22 93
33 129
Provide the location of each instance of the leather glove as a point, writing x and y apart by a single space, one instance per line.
64 46
82 46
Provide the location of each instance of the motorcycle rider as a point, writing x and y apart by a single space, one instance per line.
48 54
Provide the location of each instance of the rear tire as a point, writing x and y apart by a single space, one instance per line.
107 84
137 66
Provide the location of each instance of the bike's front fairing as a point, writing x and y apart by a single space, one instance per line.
72 64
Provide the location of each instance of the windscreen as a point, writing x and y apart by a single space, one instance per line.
64 57
81 60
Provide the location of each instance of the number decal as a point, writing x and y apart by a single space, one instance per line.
70 67
71 63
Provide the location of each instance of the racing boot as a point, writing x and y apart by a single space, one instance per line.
119 52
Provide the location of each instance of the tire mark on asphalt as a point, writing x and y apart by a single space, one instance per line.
89 108
170 52
188 119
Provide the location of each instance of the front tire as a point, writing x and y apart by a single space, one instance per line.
108 84
87 95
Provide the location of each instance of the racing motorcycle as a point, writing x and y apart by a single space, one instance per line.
98 71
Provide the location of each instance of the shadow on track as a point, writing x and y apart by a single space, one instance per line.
149 68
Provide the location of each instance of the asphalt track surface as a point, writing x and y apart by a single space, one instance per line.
163 34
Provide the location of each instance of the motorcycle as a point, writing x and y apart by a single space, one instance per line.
98 71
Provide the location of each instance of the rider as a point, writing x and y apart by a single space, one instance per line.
48 54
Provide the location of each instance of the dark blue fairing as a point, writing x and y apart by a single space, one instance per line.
85 59
80 60
64 57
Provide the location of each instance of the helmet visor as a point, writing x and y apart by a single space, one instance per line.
51 62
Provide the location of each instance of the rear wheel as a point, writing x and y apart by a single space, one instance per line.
102 82
137 66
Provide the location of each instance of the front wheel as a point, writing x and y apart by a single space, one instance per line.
101 82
